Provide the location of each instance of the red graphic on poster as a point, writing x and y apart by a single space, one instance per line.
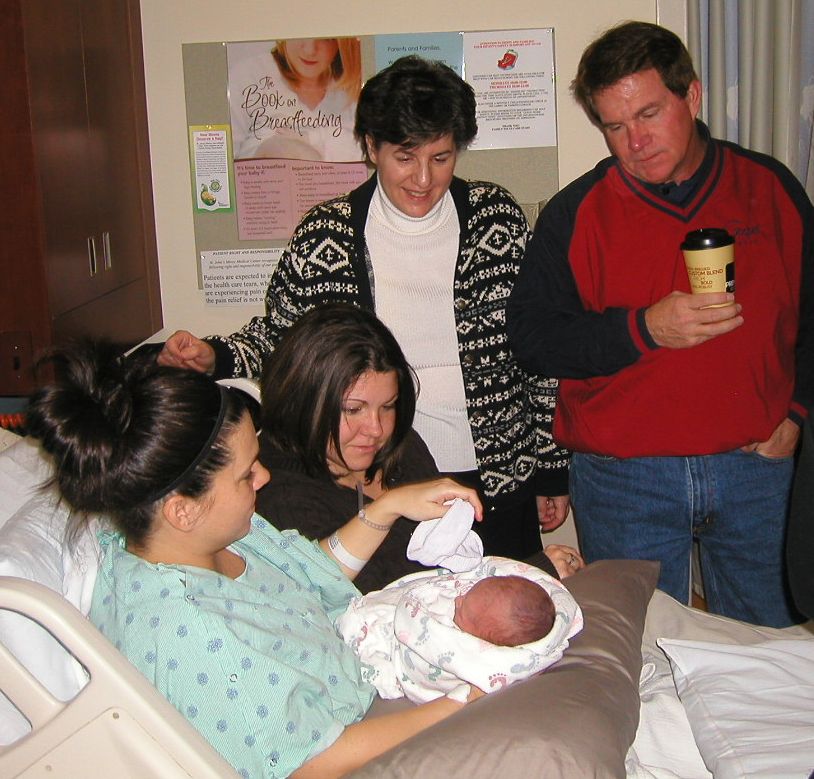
507 62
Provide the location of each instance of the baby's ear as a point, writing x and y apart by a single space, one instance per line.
181 512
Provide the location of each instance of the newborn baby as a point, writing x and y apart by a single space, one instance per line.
434 633
505 610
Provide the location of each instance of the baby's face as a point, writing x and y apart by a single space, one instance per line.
472 609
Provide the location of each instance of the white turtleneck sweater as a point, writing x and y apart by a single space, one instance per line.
414 269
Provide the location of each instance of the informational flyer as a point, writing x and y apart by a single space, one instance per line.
209 160
295 98
273 195
444 46
512 73
237 277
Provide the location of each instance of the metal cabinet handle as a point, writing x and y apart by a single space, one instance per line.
92 255
108 257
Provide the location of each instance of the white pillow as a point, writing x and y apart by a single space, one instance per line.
751 708
32 547
23 468
7 438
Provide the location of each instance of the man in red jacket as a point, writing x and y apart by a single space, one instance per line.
683 418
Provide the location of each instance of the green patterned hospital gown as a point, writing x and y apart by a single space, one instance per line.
254 663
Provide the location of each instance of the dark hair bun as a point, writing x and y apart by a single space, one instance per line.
125 432
82 420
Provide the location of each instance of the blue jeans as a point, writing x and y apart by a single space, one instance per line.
735 504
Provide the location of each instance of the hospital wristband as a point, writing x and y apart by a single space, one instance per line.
351 562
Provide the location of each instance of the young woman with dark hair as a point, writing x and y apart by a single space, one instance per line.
231 619
309 376
338 402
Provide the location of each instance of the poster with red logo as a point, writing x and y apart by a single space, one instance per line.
512 73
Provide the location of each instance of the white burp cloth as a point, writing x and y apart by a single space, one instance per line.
448 541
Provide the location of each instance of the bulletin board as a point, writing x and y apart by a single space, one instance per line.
530 173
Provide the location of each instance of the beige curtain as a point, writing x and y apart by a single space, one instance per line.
754 58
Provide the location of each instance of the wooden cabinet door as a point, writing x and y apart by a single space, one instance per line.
65 164
112 124
75 144
24 319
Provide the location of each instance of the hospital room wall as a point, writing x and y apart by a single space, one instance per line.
168 25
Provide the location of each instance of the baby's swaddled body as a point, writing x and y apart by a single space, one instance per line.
409 643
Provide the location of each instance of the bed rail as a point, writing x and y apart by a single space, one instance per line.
117 725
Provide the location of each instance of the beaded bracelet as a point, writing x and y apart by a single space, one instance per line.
365 521
362 514
351 562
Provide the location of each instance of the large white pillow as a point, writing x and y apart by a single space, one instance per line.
751 708
23 469
32 546
7 438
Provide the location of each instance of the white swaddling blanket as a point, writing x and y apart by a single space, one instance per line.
409 644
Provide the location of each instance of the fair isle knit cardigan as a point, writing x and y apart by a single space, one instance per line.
327 260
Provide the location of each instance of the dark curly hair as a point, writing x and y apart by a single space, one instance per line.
415 101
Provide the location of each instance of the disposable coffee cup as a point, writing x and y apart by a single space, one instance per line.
709 255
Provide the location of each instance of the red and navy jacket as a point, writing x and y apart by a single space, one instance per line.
608 246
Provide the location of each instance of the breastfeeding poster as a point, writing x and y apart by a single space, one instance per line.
512 73
295 99
292 105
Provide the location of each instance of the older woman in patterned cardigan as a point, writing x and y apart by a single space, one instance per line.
435 257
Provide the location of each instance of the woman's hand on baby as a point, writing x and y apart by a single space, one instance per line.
184 350
425 500
565 559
